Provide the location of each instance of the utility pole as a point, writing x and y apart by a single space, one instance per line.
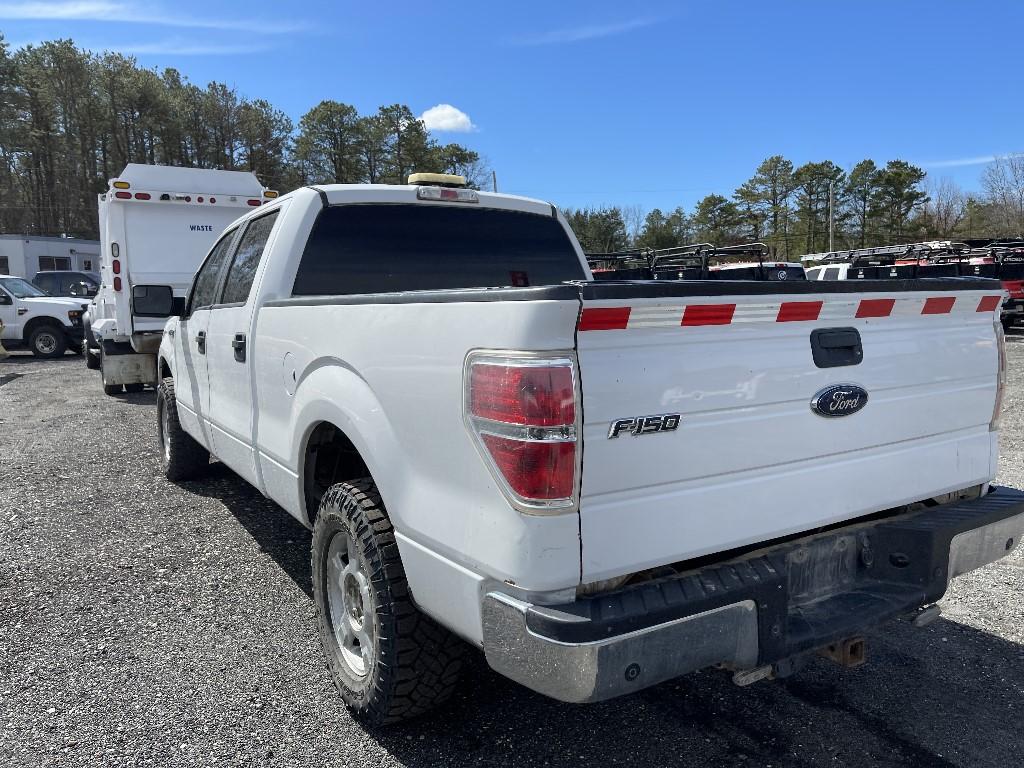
494 180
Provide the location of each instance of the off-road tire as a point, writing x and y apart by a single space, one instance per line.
181 457
47 341
415 663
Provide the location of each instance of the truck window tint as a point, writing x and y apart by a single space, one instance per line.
832 273
385 248
48 283
247 258
206 281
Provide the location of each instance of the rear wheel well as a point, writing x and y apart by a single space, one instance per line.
36 322
330 457
163 370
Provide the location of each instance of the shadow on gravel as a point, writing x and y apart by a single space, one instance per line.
279 534
931 698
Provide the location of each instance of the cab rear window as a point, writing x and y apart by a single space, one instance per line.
357 249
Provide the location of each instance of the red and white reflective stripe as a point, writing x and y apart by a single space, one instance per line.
796 310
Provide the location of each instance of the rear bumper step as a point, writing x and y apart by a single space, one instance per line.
760 609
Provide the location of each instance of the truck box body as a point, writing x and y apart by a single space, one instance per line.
163 241
156 225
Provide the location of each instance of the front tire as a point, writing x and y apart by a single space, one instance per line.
181 457
92 359
389 661
47 341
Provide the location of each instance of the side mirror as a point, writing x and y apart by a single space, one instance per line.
82 288
153 301
5 300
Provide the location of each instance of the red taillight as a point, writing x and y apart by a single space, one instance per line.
541 396
117 283
123 195
534 470
523 411
253 202
116 266
142 195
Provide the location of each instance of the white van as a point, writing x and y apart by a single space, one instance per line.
156 225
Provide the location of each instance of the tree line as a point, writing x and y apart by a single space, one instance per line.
71 119
791 208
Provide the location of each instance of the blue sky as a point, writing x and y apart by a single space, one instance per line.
582 103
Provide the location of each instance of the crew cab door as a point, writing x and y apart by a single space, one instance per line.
9 315
228 355
192 388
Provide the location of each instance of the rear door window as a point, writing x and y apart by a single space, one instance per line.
831 273
247 259
205 287
387 248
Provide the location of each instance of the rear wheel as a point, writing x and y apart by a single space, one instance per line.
389 661
47 341
109 388
181 457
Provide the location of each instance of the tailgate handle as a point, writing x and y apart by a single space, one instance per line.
836 347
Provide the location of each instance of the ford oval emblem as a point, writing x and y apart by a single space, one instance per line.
839 400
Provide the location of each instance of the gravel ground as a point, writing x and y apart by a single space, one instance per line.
145 623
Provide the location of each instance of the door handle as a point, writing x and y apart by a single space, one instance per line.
238 344
22 310
201 342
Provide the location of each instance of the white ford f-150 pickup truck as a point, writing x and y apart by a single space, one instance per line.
602 485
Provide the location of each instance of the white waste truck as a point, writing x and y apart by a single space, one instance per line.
156 225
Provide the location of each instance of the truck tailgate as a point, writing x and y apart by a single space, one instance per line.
750 460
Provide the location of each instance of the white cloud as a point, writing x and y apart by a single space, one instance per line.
962 161
445 117
180 47
111 10
584 32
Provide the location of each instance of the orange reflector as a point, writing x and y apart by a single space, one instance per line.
122 185
270 193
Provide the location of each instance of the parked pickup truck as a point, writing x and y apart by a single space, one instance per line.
602 485
47 325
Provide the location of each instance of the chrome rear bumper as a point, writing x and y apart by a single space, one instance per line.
762 608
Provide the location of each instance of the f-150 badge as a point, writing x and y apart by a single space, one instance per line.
839 400
645 425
